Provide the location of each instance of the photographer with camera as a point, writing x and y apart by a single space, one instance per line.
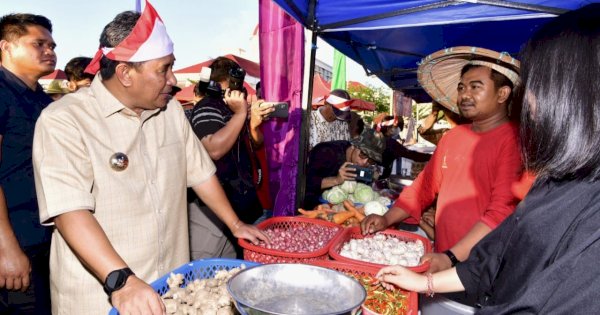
333 162
220 120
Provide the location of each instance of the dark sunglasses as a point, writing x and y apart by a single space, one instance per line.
363 155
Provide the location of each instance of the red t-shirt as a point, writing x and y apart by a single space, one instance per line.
471 174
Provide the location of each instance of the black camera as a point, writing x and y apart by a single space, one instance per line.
236 80
363 174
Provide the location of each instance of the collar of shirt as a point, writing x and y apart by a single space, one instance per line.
110 105
15 83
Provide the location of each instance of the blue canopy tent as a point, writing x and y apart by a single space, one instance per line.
390 37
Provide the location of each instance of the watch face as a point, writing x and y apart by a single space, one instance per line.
115 280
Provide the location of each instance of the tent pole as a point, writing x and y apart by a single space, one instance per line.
309 69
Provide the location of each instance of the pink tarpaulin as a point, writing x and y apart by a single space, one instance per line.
281 66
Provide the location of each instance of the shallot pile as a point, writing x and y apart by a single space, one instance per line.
301 238
384 250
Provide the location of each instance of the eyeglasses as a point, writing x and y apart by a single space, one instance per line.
362 155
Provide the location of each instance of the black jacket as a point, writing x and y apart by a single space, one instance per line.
544 258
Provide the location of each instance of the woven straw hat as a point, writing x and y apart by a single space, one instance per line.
57 87
439 73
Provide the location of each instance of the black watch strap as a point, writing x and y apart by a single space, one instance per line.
453 258
116 279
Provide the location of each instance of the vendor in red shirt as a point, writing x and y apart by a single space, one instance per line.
474 166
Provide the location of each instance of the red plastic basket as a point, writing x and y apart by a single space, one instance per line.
270 256
359 270
354 233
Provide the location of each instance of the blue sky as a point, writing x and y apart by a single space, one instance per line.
200 29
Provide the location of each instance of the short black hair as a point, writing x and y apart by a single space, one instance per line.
560 121
220 68
14 26
113 34
498 78
75 67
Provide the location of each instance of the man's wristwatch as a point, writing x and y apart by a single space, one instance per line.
116 280
453 258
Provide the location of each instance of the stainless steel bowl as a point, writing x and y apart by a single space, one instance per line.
286 289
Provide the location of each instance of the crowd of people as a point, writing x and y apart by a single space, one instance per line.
106 184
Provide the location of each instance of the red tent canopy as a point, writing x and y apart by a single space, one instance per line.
55 75
321 87
252 68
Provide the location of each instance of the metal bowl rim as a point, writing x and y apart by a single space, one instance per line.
239 301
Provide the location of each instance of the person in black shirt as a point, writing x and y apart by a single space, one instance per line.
222 124
543 259
329 163
390 128
27 55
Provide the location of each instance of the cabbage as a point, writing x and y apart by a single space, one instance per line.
325 194
364 193
336 195
384 201
374 207
348 186
352 199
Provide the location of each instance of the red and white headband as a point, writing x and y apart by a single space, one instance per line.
339 102
148 40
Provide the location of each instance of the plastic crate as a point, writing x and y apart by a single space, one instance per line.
264 255
197 269
354 233
359 270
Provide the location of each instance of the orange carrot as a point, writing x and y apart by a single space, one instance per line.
340 217
350 207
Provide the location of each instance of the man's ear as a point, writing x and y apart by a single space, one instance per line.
4 46
504 93
123 72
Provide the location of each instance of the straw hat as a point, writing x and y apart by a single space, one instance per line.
57 87
439 73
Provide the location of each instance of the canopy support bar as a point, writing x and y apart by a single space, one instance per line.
520 6
431 6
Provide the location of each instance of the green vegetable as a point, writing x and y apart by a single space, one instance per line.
364 193
336 195
374 207
348 186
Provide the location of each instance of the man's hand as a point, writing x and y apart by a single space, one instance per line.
236 101
437 262
251 233
14 269
137 297
373 223
259 111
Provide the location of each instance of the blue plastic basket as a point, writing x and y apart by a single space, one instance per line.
197 269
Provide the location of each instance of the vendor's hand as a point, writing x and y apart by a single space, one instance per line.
251 233
137 297
14 269
437 262
401 277
259 112
373 223
236 101
346 172
429 218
